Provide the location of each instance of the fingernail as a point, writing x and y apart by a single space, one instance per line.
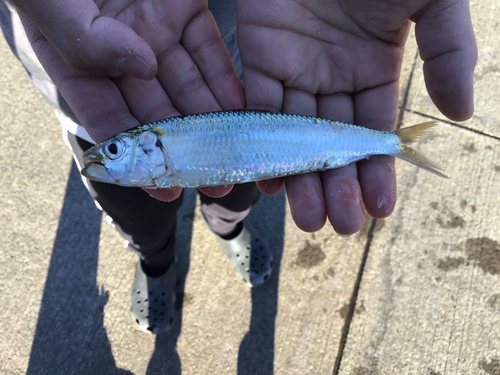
134 66
383 203
344 235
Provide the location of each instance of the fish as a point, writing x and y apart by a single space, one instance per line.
235 147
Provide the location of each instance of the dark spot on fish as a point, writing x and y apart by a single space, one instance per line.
399 280
432 372
313 235
470 147
419 265
324 310
434 205
497 168
494 301
449 263
482 252
463 203
455 221
438 279
315 278
310 255
473 208
344 311
488 148
492 367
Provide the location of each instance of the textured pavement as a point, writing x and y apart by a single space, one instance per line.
417 293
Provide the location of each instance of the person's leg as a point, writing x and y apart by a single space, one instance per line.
223 215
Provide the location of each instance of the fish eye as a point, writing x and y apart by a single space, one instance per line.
114 149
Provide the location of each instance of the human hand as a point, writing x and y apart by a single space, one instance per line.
341 60
120 64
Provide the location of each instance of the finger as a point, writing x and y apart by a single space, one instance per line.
184 83
305 192
146 100
271 187
164 195
202 41
377 108
307 205
343 198
262 91
86 40
345 207
217 191
448 47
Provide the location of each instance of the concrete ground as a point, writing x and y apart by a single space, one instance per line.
417 293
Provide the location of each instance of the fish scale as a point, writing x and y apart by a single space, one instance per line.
230 147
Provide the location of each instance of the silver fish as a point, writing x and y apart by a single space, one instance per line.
234 147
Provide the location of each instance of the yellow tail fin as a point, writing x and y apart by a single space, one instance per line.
410 135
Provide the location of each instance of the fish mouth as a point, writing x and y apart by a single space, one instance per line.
94 169
97 172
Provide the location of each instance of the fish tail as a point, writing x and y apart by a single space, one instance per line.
409 135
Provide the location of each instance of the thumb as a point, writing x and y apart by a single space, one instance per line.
86 40
448 47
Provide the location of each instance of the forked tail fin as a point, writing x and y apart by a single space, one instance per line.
409 135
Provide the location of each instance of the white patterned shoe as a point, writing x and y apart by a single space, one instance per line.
249 255
152 302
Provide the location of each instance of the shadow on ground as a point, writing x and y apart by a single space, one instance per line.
70 336
256 354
